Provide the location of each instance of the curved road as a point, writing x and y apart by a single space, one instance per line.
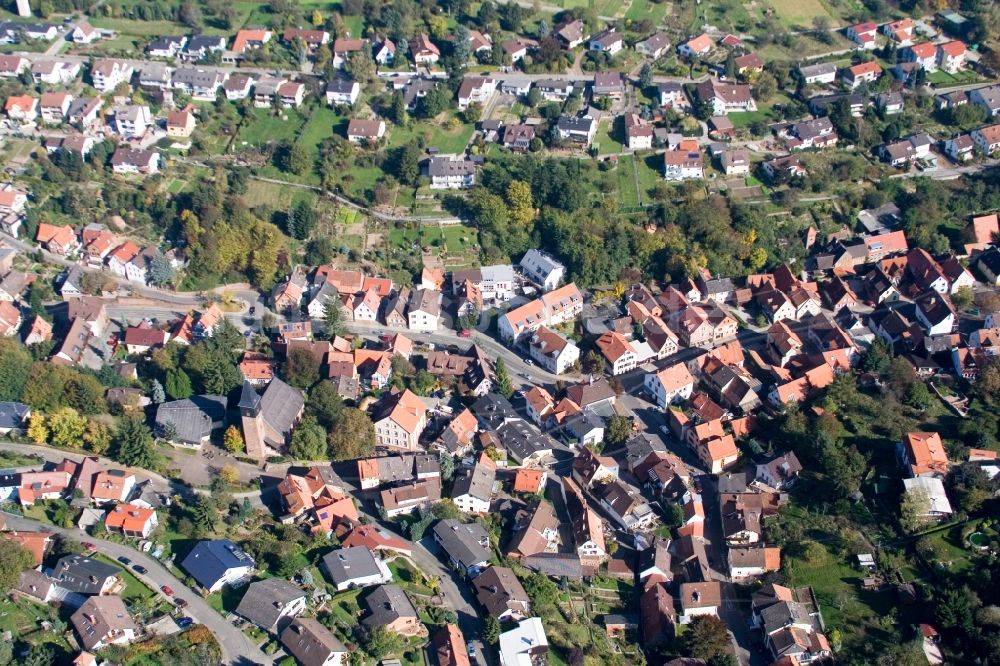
236 646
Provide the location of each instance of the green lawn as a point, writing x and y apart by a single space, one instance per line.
837 586
451 140
259 193
406 575
322 124
226 600
267 128
627 191
607 140
943 79
647 10
148 29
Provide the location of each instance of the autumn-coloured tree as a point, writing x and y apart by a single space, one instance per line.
233 440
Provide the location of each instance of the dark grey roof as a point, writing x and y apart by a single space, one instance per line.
280 406
193 418
555 564
197 77
523 441
465 543
575 124
209 561
493 409
340 85
385 604
445 166
476 481
310 642
346 564
249 398
264 600
12 414
166 42
199 43
83 575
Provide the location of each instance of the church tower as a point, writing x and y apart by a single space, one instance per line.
252 421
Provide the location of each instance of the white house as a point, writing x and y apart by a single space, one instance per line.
475 90
131 121
682 165
987 139
342 91
450 173
552 351
109 74
353 567
542 269
669 385
653 46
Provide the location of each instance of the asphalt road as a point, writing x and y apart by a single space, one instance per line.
237 648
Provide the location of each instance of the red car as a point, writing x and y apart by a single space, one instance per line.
465 333
167 591
88 545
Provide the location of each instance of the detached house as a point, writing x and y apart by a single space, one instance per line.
423 50
131 521
450 173
102 621
987 139
654 46
866 72
618 351
129 161
365 131
951 56
54 107
697 46
552 351
342 91
400 421
863 34
609 42
109 74
475 90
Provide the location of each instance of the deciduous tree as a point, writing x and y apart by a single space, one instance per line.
707 637
232 439
14 558
352 435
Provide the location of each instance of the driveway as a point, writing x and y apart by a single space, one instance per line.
237 648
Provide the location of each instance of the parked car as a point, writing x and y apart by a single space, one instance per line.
167 591
184 622
88 545
139 569
465 333
124 560
181 603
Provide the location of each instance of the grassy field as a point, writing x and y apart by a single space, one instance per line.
451 140
322 124
627 190
837 586
944 79
607 138
278 197
267 127
646 10
23 619
800 13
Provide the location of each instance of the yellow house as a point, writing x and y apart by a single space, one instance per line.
180 123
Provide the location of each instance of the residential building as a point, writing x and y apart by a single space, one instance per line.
217 563
987 139
102 621
449 646
923 454
863 34
571 34
131 521
553 351
822 74
168 46
555 307
54 107
866 72
670 385
344 48
268 602
129 161
542 269
725 97
951 56
423 50
450 173
618 351
475 90
500 593
106 75
423 310
354 567
654 46
365 131
682 165
132 120
311 643
524 644
201 84
180 124
465 544
472 490
343 91
609 41
638 132
696 47
577 129
400 421
389 607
